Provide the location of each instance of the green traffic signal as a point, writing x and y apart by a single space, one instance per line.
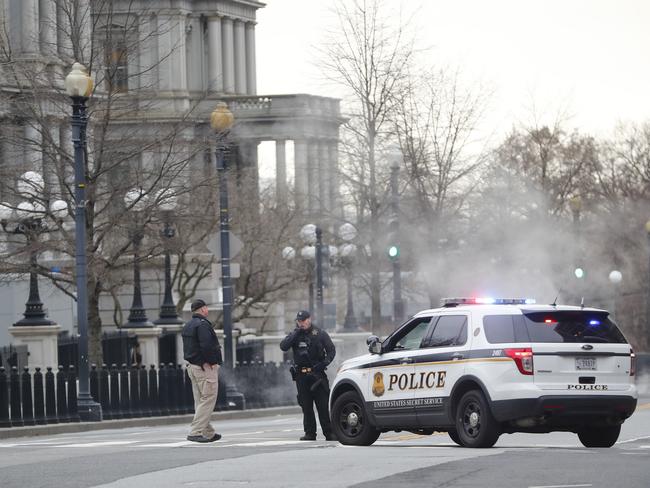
393 252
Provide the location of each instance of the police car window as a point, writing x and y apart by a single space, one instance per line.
572 326
499 329
412 337
451 330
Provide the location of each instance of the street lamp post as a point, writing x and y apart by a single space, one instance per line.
221 121
28 220
79 86
647 297
348 232
135 200
312 236
394 250
168 313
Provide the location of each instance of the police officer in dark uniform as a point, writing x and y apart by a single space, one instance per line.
313 350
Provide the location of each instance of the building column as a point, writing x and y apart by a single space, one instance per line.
29 28
172 68
281 173
63 38
215 57
333 178
323 179
313 184
84 17
240 57
33 149
300 172
49 45
251 63
228 55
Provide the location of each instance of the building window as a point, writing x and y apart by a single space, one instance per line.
117 70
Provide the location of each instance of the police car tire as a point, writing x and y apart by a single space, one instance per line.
363 433
475 425
453 435
599 436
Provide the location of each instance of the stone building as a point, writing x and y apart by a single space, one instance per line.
162 63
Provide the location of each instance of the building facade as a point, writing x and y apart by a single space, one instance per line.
159 67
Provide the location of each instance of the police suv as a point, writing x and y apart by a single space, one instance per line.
478 368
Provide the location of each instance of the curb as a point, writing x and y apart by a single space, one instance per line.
39 430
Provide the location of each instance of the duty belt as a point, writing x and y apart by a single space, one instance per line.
305 370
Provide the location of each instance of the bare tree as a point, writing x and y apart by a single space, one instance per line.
157 159
369 56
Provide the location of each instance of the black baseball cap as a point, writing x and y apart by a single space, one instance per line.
196 304
303 315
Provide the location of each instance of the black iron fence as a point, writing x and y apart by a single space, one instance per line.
129 391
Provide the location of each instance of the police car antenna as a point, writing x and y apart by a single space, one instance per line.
582 302
554 304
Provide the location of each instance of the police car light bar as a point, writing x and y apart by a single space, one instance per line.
451 302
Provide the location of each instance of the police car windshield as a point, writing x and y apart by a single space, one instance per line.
572 326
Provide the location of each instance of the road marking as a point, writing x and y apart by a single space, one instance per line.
99 444
267 444
560 486
634 440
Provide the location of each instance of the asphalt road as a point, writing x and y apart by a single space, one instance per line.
265 452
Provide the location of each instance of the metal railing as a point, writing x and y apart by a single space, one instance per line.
130 391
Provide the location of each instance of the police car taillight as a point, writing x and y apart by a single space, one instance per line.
632 362
523 358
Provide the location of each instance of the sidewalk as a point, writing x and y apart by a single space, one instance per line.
52 429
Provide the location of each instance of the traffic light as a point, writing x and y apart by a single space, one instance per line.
393 251
393 239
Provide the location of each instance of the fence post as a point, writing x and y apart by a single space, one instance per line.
136 407
73 411
174 390
154 403
50 398
4 399
145 408
61 396
93 377
115 392
189 394
104 396
163 388
39 398
125 404
16 413
28 406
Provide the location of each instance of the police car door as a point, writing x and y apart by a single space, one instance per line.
389 396
438 368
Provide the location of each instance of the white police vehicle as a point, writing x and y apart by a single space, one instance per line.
479 368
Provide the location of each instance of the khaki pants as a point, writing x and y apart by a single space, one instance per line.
205 385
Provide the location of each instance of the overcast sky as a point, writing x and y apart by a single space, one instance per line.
589 58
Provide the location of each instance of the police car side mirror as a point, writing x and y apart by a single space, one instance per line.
374 344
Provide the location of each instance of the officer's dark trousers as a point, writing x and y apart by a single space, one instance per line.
307 398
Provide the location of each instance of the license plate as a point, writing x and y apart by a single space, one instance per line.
586 363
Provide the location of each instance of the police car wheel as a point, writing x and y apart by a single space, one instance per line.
350 422
453 435
599 436
475 425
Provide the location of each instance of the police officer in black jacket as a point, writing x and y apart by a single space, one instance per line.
202 351
313 350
